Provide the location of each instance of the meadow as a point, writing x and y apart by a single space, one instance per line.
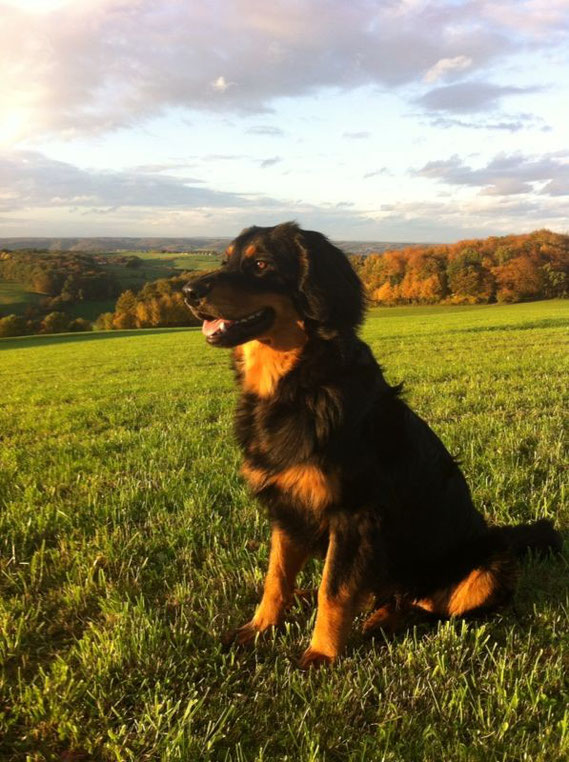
129 544
14 298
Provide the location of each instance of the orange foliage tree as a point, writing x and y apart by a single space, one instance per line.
507 269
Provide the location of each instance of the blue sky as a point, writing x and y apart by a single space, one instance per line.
401 120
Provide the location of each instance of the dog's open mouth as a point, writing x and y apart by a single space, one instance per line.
229 333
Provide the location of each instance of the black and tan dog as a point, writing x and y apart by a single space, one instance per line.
344 467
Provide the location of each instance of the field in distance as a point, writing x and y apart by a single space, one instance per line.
15 298
129 544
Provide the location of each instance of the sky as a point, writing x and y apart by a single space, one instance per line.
385 120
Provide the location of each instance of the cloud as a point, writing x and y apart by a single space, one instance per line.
42 196
97 65
270 162
167 166
30 180
357 135
265 129
508 123
445 66
221 84
505 174
376 172
470 97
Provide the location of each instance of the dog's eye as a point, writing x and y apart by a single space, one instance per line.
260 265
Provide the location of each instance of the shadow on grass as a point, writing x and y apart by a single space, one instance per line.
23 342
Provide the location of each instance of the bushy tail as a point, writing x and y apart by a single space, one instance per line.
540 537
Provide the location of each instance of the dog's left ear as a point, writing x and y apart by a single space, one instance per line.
331 294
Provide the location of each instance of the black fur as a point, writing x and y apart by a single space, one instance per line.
404 522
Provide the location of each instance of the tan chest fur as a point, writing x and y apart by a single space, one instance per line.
262 366
306 483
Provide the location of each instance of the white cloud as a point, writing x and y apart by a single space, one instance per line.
446 66
357 135
469 97
30 179
100 64
221 84
505 174
47 197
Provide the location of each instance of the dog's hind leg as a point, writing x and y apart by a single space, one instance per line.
484 588
391 617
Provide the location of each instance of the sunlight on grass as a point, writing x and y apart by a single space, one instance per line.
129 544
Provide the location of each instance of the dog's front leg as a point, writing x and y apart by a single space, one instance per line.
339 597
285 561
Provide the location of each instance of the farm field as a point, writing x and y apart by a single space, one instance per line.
129 544
14 298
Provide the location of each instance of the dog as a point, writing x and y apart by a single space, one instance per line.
345 468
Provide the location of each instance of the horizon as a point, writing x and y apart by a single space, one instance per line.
400 121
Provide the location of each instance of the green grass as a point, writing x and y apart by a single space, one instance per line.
129 544
14 298
174 261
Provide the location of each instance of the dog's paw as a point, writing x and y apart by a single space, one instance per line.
313 659
242 636
384 618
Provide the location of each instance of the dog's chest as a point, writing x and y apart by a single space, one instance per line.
261 368
305 485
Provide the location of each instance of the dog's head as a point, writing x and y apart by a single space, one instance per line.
273 283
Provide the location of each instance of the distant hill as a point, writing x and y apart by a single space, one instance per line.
167 244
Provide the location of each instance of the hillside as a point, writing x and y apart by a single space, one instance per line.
129 544
200 243
509 268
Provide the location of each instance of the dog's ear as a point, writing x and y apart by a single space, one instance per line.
331 294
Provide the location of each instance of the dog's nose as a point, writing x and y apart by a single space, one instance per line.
195 291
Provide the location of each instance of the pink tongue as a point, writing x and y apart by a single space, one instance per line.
210 327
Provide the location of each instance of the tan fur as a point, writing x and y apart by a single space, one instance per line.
263 367
309 484
475 590
256 477
334 617
285 561
386 618
251 250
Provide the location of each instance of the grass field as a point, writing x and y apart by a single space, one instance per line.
14 298
129 544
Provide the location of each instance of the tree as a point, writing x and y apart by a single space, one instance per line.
518 279
104 322
12 325
80 324
55 322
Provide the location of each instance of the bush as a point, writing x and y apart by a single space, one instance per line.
80 324
55 322
12 325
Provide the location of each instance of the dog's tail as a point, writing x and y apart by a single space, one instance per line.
539 537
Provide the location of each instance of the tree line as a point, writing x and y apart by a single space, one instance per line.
63 276
502 269
159 303
498 269
62 279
